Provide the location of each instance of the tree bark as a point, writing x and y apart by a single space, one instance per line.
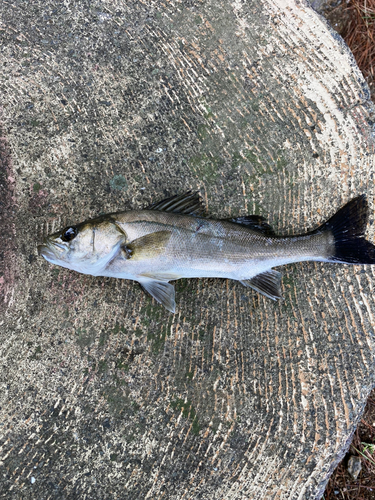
109 106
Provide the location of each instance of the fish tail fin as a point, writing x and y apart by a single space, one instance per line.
348 226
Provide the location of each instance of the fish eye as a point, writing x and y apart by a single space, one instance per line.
69 233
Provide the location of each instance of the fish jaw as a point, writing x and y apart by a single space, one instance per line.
52 252
45 252
86 248
55 254
94 267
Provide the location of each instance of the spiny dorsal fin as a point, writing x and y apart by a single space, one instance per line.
267 283
162 291
256 223
147 246
188 203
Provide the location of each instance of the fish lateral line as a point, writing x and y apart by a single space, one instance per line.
166 242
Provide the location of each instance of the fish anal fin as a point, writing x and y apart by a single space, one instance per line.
254 222
188 203
146 247
162 291
267 283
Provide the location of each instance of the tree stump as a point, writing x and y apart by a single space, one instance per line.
110 106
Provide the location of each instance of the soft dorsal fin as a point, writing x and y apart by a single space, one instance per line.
256 223
162 291
146 247
188 203
267 283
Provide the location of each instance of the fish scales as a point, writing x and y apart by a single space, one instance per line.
207 245
171 240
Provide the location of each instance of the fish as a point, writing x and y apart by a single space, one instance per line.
173 239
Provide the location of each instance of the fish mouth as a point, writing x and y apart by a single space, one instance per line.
48 250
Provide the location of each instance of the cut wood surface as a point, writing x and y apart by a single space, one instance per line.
112 105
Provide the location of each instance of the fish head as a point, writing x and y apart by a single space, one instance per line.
86 247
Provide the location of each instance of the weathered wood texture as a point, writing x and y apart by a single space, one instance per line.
112 105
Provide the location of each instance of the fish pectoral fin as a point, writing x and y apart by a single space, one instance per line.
162 291
268 283
146 247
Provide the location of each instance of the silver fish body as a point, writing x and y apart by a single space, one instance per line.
201 248
170 240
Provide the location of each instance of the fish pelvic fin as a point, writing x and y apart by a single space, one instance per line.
161 276
348 226
267 283
162 291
